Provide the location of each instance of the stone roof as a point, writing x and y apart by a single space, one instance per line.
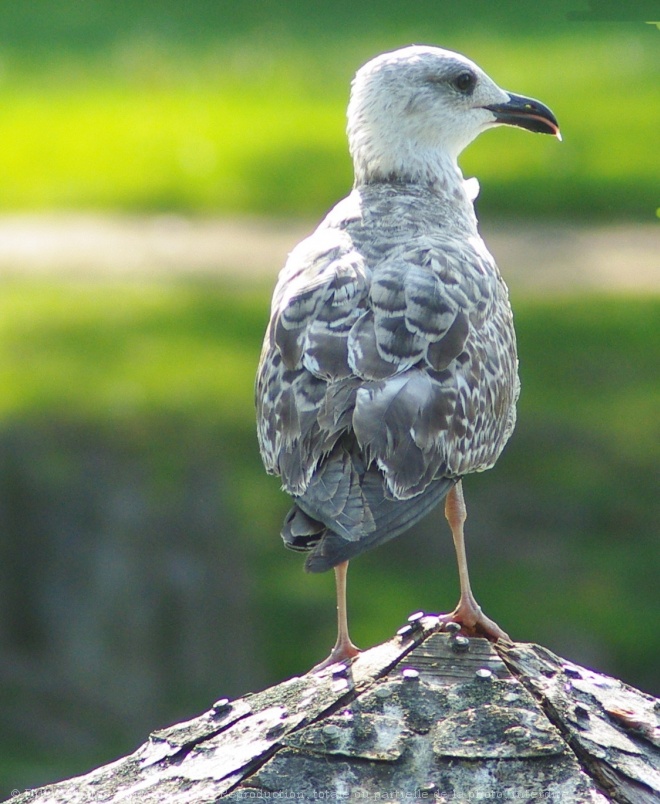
428 715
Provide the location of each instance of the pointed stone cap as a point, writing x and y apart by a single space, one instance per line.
428 715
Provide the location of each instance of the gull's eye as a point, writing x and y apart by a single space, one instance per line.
465 82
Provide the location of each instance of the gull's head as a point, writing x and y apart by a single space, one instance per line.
412 112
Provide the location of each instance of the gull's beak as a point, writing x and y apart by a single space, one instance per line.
526 113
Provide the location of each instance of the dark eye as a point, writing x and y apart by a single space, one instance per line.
465 82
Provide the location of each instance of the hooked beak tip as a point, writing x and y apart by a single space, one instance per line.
526 113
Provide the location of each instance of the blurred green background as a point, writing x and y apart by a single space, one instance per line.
141 571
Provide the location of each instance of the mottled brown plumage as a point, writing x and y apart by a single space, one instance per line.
389 366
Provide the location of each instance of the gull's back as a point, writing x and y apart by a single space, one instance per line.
388 369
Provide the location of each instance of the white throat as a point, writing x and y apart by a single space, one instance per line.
406 161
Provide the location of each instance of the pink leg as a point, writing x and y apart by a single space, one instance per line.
468 612
344 649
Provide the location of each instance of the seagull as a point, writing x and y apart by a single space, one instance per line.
389 368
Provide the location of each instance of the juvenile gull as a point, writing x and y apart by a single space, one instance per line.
389 367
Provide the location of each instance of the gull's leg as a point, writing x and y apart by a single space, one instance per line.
344 649
468 612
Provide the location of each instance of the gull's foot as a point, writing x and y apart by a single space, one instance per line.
342 652
473 622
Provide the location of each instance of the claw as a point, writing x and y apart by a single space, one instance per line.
340 653
474 622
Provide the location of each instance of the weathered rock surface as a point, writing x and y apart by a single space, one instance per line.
427 715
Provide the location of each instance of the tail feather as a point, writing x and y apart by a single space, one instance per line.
304 529
392 517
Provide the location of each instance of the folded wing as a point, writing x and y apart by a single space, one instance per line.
365 376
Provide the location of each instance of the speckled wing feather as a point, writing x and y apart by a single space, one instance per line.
388 369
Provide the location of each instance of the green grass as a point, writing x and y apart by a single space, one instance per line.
223 110
102 352
595 366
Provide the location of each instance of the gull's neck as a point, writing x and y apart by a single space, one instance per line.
435 170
